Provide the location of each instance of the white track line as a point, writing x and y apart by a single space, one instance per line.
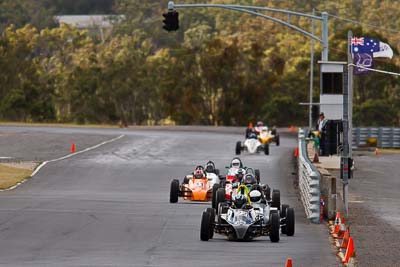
62 158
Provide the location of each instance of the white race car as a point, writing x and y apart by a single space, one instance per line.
251 145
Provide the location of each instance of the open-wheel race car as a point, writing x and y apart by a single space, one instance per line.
196 186
267 136
257 140
234 175
248 215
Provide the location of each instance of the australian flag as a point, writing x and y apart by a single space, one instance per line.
364 49
364 45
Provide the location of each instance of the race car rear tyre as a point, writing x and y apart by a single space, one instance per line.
214 195
257 174
174 191
283 210
277 140
222 208
276 199
212 221
266 149
205 226
275 226
290 221
267 193
283 217
220 196
238 148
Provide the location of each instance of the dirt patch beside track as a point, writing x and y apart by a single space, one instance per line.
376 241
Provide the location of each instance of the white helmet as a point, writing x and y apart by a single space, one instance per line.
255 196
236 163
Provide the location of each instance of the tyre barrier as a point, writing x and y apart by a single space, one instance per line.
343 241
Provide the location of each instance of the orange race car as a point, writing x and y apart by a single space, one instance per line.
196 186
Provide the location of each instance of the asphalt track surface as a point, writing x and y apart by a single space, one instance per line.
110 207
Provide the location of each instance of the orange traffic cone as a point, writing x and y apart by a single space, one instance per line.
349 251
250 125
346 237
291 128
337 224
316 158
296 152
73 148
342 231
289 262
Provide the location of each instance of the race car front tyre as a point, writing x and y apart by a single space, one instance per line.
214 195
257 174
276 199
174 191
290 221
238 148
212 221
275 226
277 140
205 226
220 196
266 149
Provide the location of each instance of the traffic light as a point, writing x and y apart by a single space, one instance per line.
171 21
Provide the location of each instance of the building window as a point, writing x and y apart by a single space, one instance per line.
332 83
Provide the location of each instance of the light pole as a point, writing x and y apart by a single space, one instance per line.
253 11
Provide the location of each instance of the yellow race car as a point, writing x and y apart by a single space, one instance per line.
267 136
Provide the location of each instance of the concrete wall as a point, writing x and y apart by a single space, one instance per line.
328 193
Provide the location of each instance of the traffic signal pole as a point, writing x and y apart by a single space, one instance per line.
253 11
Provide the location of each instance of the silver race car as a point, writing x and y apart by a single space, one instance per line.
247 216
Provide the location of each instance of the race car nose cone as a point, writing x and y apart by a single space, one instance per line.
241 231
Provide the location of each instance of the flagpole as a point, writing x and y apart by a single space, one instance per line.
311 75
351 73
344 163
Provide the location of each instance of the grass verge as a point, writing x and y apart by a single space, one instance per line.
389 151
10 176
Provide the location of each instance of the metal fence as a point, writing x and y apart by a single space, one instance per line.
386 137
309 181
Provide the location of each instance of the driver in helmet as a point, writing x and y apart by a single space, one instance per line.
199 173
255 196
249 180
240 201
210 167
236 163
259 127
238 177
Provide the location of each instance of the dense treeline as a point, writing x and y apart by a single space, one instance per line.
221 67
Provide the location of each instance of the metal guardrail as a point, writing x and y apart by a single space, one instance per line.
387 137
309 181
